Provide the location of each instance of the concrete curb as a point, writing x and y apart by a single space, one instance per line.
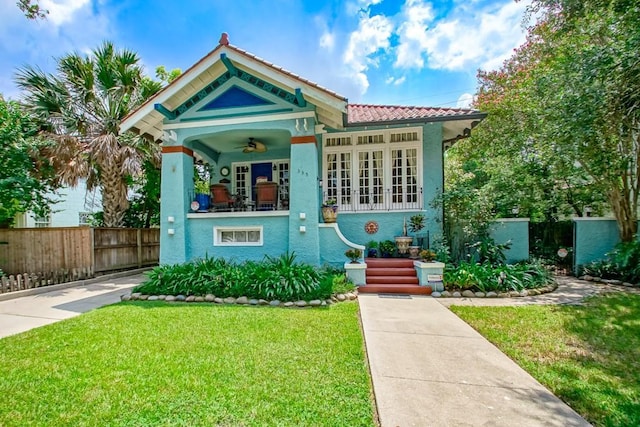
44 289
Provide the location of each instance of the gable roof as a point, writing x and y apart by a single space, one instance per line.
146 120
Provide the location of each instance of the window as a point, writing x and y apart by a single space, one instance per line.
381 171
237 236
43 221
84 218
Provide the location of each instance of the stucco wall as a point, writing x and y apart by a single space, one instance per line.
515 230
200 231
593 238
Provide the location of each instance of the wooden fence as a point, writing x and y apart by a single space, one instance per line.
40 256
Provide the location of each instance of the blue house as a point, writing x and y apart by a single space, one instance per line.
274 146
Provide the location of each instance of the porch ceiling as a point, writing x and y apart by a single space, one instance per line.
233 141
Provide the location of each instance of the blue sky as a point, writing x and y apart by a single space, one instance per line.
400 52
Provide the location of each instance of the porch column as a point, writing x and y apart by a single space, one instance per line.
177 181
303 205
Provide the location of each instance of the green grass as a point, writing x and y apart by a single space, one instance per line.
139 364
588 355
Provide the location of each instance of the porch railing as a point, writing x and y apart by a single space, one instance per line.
384 200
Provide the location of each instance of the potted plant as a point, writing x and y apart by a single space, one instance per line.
372 249
403 242
416 223
203 194
354 255
387 247
427 255
330 210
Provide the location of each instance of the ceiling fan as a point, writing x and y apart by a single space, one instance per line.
254 147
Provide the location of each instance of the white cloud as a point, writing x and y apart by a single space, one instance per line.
327 41
400 81
464 101
413 33
468 38
62 11
371 36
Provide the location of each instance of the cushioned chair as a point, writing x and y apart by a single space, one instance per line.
222 199
266 195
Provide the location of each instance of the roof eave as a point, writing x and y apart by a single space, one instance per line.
475 116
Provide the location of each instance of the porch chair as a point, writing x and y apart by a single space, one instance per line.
222 199
266 195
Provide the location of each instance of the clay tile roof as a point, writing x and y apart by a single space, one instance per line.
361 113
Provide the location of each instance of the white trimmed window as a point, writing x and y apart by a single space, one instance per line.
238 236
42 221
84 218
381 171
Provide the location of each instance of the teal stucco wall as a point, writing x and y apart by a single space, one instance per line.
593 238
275 231
515 230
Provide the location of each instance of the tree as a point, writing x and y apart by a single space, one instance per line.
571 96
32 9
26 178
80 108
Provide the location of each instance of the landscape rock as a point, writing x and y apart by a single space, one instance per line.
492 294
218 300
126 297
301 303
209 298
480 294
135 295
170 298
153 298
324 304
242 300
504 295
229 300
143 297
613 282
587 278
315 303
446 294
263 302
436 294
351 296
274 303
523 293
253 301
162 297
456 294
190 298
627 284
329 301
288 304
468 294
341 297
597 279
199 299
180 297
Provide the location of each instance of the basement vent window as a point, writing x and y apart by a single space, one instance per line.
237 236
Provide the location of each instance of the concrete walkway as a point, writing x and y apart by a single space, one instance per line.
52 304
429 368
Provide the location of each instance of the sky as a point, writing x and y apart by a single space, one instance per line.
392 52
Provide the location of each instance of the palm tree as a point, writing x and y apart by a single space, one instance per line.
80 107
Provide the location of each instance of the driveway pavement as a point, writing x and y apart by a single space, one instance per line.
58 302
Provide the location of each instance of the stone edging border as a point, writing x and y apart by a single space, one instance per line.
511 294
137 296
615 282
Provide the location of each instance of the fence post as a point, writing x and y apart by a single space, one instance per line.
93 249
139 238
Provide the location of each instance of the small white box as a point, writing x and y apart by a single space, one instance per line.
171 219
303 229
171 232
303 215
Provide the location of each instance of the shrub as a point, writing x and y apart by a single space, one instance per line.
353 254
486 277
273 278
623 263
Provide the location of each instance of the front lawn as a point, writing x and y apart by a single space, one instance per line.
172 364
588 355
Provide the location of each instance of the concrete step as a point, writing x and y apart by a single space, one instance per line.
390 271
393 280
389 263
394 289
